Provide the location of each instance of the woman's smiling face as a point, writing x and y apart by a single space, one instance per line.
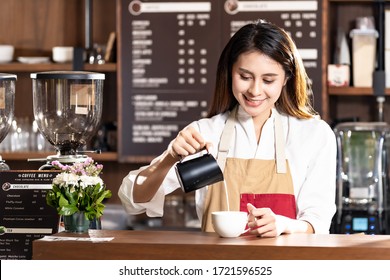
257 82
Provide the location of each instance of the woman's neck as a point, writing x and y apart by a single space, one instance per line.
259 122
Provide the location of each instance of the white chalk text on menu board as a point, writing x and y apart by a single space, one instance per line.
169 68
168 57
301 19
24 214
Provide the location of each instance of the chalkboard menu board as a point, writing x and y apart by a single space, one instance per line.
168 52
24 214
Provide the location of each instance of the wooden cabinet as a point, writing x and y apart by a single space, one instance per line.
348 103
34 27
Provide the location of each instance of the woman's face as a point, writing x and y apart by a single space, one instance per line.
257 82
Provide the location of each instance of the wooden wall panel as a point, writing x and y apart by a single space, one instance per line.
35 26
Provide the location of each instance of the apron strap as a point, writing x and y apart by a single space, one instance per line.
279 145
226 139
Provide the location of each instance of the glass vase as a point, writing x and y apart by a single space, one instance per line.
78 223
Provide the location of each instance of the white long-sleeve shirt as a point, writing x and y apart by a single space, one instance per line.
310 150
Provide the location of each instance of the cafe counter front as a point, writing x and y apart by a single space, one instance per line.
196 245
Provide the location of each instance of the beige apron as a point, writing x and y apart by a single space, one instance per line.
264 183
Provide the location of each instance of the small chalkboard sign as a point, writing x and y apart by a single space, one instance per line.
24 214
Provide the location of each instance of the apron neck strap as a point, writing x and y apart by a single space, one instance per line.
226 139
228 136
279 144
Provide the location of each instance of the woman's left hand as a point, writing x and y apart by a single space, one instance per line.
264 222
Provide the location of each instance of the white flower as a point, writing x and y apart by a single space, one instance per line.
67 179
90 181
64 179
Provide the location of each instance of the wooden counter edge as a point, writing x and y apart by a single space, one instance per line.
201 246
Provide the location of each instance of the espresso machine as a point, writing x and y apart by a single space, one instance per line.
362 194
67 108
7 103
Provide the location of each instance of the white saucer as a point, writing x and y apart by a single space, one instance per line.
33 59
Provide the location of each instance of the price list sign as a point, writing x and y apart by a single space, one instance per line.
302 20
24 214
168 56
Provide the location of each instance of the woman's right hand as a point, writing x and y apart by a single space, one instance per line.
188 141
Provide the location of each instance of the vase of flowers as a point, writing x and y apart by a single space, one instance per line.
78 193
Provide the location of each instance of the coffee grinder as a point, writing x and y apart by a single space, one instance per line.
67 108
362 195
7 103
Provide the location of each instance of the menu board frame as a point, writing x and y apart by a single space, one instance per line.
138 136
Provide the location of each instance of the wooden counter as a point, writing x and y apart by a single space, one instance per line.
185 245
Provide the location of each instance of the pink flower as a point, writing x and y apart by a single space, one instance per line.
86 168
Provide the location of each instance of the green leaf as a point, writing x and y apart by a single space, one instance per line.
63 201
51 199
103 195
68 210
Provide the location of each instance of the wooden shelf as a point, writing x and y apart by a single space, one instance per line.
22 67
104 156
353 91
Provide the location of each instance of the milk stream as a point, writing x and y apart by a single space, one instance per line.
227 195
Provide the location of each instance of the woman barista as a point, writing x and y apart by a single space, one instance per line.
281 159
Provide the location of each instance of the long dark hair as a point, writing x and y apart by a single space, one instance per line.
274 42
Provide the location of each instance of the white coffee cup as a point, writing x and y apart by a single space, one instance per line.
62 54
229 223
6 53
